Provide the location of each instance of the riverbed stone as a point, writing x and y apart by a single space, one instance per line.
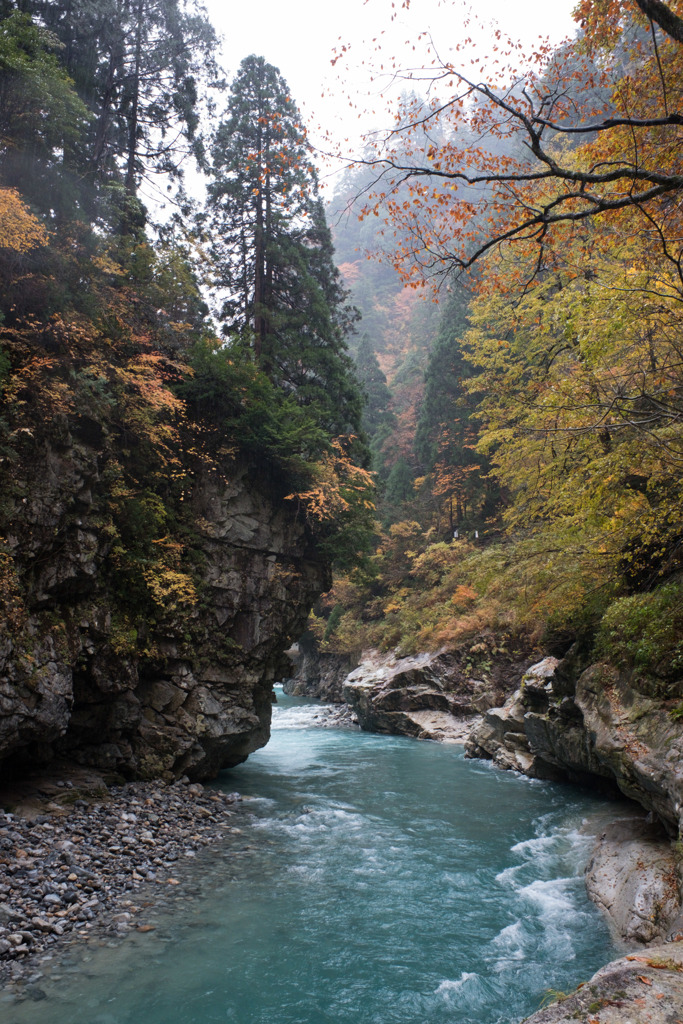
68 874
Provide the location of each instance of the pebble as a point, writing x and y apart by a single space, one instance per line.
68 875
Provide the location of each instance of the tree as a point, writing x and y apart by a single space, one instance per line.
282 294
19 229
447 429
378 419
42 120
137 65
580 385
532 187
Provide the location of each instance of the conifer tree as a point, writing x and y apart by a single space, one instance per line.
378 418
281 292
137 66
447 429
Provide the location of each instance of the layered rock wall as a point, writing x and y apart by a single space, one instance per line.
318 675
429 696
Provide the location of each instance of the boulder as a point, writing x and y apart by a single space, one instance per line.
407 696
634 877
643 988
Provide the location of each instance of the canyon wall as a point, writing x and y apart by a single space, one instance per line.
145 668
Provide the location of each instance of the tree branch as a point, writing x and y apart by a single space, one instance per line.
664 16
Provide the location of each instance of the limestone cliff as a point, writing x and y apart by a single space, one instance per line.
143 667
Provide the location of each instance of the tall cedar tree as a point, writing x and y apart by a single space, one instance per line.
378 418
273 252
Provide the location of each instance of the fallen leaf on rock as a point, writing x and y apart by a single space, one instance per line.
645 981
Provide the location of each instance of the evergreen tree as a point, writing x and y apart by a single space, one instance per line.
445 400
281 292
398 491
446 431
378 419
136 64
42 120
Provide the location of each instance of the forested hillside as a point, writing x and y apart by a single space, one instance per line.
536 491
133 414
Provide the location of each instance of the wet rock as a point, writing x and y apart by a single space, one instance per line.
634 877
428 696
35 993
500 736
644 988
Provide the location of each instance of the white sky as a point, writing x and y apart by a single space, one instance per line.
299 37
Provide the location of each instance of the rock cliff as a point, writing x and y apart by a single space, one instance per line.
317 674
634 876
147 668
589 726
594 727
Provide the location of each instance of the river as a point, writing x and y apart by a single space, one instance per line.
376 880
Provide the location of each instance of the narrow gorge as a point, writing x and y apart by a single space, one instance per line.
341 513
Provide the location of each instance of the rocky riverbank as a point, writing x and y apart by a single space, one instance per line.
80 860
642 988
634 876
557 723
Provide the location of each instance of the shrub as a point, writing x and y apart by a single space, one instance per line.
645 633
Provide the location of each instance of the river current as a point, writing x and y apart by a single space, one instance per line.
376 880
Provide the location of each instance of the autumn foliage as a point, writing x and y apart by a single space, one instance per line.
547 484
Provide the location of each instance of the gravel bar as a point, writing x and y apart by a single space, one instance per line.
92 866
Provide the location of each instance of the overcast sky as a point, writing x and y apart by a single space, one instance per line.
299 37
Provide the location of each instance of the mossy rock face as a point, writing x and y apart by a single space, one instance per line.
89 674
638 987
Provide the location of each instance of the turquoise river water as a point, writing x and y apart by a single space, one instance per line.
377 880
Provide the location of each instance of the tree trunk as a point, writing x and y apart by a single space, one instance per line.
135 104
